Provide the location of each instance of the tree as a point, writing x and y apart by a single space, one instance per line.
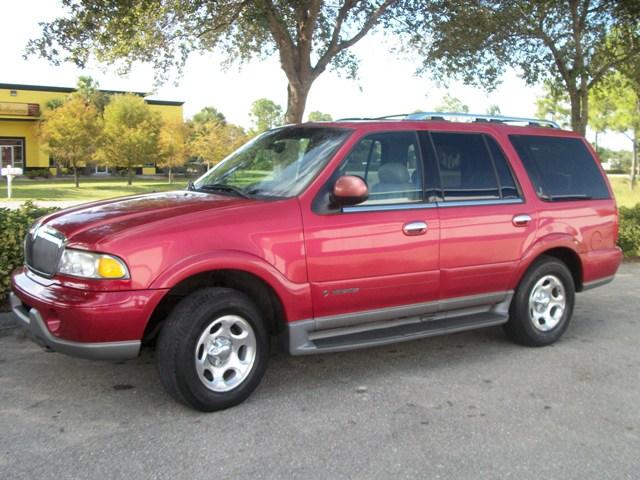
88 89
208 114
452 104
308 36
554 105
213 141
265 115
493 109
173 145
319 117
619 101
70 132
567 42
131 133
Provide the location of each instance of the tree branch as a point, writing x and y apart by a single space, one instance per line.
335 45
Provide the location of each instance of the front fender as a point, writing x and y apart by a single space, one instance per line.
295 297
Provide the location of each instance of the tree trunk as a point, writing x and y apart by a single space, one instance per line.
130 182
170 176
579 111
75 176
296 101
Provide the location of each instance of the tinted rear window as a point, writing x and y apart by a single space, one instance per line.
560 168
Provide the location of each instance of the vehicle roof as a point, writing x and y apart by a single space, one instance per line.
453 121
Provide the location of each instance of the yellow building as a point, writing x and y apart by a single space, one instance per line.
20 109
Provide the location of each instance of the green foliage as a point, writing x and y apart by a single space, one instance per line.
213 140
173 145
308 36
318 116
209 114
14 225
617 104
38 172
265 115
88 90
452 104
493 110
70 132
567 43
131 133
629 236
554 105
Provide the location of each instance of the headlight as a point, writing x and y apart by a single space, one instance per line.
79 263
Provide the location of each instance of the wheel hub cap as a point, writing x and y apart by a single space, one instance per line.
219 351
225 353
547 303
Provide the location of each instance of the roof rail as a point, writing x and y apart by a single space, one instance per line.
534 122
474 117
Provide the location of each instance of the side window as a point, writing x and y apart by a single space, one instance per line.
508 187
390 164
560 168
466 169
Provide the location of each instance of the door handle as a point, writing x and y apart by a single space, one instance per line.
521 220
415 228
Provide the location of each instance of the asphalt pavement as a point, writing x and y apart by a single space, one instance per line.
465 406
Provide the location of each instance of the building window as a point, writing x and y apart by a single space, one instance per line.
12 152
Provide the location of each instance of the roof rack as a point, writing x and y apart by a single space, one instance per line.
533 122
474 117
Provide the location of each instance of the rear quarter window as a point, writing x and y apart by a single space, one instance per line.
560 168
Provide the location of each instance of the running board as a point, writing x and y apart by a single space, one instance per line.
402 330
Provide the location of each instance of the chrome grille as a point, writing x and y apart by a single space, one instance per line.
43 248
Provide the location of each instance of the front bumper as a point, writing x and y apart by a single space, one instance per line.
87 324
31 320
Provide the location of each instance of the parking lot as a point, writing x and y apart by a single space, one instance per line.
470 405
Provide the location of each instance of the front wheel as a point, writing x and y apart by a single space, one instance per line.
213 349
543 304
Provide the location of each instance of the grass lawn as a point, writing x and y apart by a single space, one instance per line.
90 188
624 196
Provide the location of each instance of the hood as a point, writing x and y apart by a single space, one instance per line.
107 218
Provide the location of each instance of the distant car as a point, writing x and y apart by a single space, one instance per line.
331 236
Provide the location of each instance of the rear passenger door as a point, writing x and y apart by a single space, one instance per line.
485 223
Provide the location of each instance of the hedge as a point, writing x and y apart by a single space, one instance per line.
629 237
13 227
15 223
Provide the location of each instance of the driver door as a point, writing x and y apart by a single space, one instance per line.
382 253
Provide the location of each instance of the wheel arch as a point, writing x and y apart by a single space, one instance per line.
257 289
563 248
279 299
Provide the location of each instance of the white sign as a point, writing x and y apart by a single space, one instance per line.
11 171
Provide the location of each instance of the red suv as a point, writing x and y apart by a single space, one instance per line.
331 236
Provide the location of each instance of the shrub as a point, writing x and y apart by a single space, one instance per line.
38 172
629 237
14 225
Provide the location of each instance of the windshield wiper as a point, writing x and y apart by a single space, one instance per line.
567 196
221 187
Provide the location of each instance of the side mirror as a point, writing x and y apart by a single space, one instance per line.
349 190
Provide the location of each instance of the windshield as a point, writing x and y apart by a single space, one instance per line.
278 163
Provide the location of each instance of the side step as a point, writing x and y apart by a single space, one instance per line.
340 339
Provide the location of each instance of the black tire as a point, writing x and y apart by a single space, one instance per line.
176 348
521 327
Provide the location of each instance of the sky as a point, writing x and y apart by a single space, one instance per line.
387 83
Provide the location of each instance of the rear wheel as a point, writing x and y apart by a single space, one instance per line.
213 349
543 304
